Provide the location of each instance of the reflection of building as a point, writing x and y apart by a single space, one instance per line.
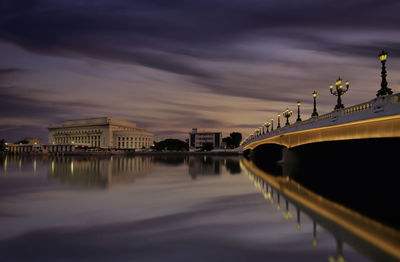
105 132
197 139
204 166
98 172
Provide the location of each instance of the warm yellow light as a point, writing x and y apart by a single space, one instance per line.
279 115
383 57
298 103
6 143
35 143
347 83
314 94
339 81
314 242
331 87
341 86
72 167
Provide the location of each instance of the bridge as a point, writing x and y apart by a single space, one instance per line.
377 118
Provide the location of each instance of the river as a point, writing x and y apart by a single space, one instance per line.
155 208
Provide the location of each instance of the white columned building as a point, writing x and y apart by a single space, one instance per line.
102 132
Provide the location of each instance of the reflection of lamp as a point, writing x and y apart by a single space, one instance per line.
298 226
339 252
314 241
278 206
286 214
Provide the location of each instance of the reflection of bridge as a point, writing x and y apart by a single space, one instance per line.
369 237
378 118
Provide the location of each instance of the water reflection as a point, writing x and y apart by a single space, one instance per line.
165 215
102 172
207 165
369 237
98 172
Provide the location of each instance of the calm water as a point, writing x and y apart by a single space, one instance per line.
148 209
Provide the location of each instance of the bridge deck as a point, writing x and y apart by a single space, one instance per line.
377 118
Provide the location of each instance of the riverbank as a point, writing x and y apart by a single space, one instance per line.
138 153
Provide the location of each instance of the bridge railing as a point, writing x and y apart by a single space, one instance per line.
395 98
373 106
357 108
323 117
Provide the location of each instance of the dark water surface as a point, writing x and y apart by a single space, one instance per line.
149 209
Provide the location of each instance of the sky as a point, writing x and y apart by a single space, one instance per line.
171 66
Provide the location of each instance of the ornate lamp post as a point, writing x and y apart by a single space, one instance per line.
279 121
298 112
267 124
272 124
287 113
385 90
314 113
339 91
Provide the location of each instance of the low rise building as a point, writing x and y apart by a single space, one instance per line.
198 139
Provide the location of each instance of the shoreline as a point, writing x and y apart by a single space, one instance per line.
110 153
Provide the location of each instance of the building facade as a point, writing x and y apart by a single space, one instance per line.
197 139
101 132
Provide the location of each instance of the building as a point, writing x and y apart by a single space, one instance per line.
100 132
197 139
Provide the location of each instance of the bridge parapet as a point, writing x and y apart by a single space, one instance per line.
376 108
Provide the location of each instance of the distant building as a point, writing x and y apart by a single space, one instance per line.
101 132
197 139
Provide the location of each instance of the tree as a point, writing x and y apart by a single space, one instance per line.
236 138
171 144
228 141
233 140
23 141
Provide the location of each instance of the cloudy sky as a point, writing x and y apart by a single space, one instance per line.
173 65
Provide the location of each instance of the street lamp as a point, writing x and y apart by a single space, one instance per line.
339 91
287 113
272 124
298 112
267 124
385 90
314 113
279 121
